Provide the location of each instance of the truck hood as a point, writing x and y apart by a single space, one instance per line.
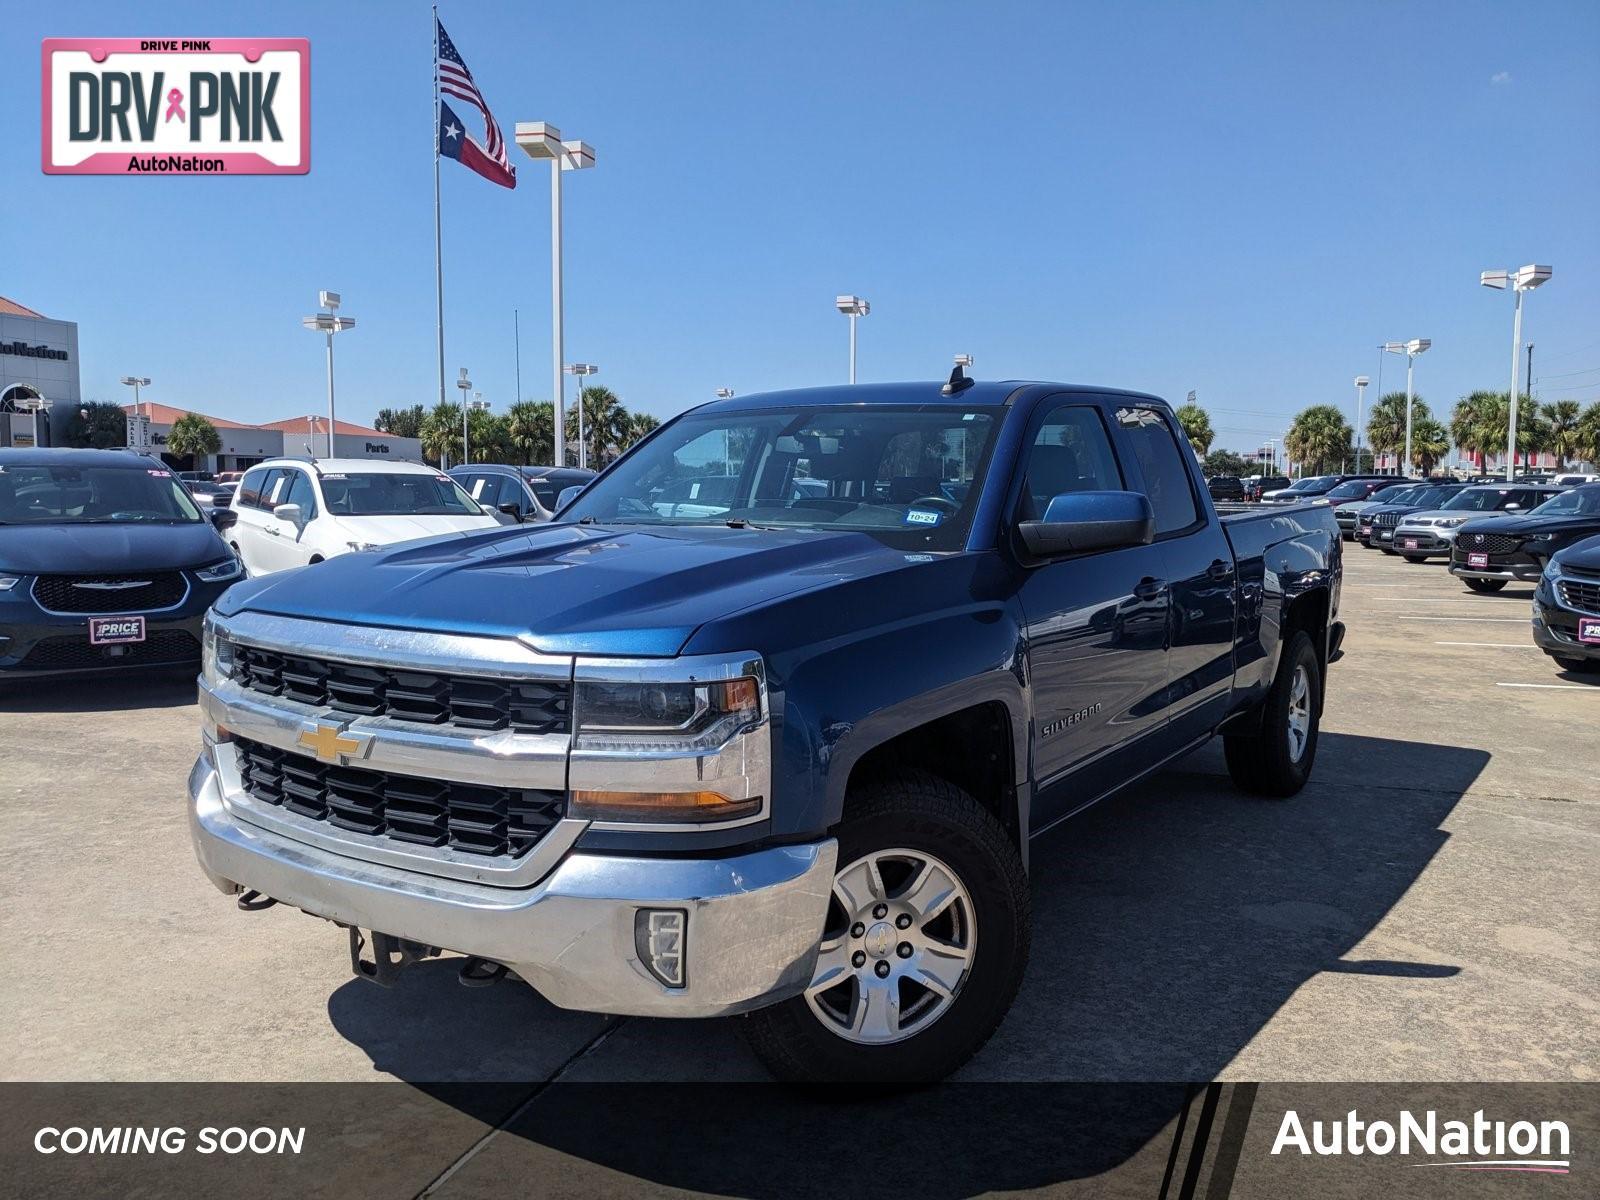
569 589
109 549
1584 555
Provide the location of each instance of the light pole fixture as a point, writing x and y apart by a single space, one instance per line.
540 139
724 393
465 384
1410 349
136 382
36 404
852 307
327 323
1523 279
1361 395
582 371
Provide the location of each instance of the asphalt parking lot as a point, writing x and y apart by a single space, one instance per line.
1426 910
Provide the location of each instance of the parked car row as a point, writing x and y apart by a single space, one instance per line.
1497 533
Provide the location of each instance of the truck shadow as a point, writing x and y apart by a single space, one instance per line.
165 688
1170 924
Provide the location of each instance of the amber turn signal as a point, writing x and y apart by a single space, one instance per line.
646 807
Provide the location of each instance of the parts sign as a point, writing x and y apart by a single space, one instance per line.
206 106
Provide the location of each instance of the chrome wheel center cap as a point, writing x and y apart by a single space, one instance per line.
880 940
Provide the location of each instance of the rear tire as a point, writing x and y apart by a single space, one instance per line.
905 839
1485 585
1277 760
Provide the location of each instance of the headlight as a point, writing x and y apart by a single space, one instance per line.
670 752
216 653
228 568
1545 537
1551 569
1452 522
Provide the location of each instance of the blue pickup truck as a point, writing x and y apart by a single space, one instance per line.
773 747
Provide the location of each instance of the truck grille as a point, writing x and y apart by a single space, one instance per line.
1387 520
1486 543
474 818
147 591
1585 597
523 705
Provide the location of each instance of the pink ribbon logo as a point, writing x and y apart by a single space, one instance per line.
174 106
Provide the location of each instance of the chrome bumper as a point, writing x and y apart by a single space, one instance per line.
753 921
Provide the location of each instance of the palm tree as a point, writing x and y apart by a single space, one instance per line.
193 435
605 424
1586 445
1494 422
1196 427
1386 422
640 426
1430 442
441 434
486 436
401 422
1561 430
1319 439
531 431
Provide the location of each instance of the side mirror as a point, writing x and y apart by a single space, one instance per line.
224 518
1513 507
287 512
1077 522
567 496
510 509
222 500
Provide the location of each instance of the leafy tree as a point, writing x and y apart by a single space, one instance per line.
1386 422
1430 443
531 431
1196 426
97 425
401 422
1226 462
1319 440
605 426
1561 430
441 435
193 435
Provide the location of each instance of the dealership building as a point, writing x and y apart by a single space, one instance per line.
38 362
295 437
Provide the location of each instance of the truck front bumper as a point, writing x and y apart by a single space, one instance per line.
751 923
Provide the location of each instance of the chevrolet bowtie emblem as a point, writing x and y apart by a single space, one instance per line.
329 743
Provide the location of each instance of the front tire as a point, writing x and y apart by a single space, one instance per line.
924 946
1485 585
1277 760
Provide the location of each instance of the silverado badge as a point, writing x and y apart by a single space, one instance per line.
330 743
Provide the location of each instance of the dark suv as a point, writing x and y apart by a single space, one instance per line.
105 563
1225 487
1488 554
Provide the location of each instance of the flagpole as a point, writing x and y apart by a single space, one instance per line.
438 262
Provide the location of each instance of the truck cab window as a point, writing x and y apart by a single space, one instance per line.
1070 453
1166 477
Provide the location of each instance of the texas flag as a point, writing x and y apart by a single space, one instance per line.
487 158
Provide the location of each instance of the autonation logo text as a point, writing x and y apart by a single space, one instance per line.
1476 1145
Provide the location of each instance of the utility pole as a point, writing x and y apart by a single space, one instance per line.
1527 454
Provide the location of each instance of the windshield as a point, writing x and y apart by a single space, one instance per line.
1395 493
395 495
38 495
1317 483
1429 497
1582 502
907 476
1477 500
1353 490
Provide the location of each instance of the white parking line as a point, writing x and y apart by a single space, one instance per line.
1493 645
1496 620
1571 687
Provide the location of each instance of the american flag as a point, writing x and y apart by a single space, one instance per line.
487 158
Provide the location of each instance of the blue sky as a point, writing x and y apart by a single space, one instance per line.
1240 199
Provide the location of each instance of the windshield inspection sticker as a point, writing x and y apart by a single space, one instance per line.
923 516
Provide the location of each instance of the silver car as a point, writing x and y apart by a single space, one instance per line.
1431 534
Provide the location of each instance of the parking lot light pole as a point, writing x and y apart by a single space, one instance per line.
540 139
1361 395
465 384
852 307
136 382
582 371
328 323
1523 279
35 405
1410 349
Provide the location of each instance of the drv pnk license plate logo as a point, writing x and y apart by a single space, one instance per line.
170 106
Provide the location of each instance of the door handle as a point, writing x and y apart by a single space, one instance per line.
1219 570
1150 589
271 530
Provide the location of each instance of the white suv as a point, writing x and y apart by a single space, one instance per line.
291 513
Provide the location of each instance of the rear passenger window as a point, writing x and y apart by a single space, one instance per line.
1166 476
1071 453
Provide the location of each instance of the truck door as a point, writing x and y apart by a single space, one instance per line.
1198 562
1096 623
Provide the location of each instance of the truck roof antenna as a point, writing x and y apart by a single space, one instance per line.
958 381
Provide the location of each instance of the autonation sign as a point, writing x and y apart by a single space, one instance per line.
148 106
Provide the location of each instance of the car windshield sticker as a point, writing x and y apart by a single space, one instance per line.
923 516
